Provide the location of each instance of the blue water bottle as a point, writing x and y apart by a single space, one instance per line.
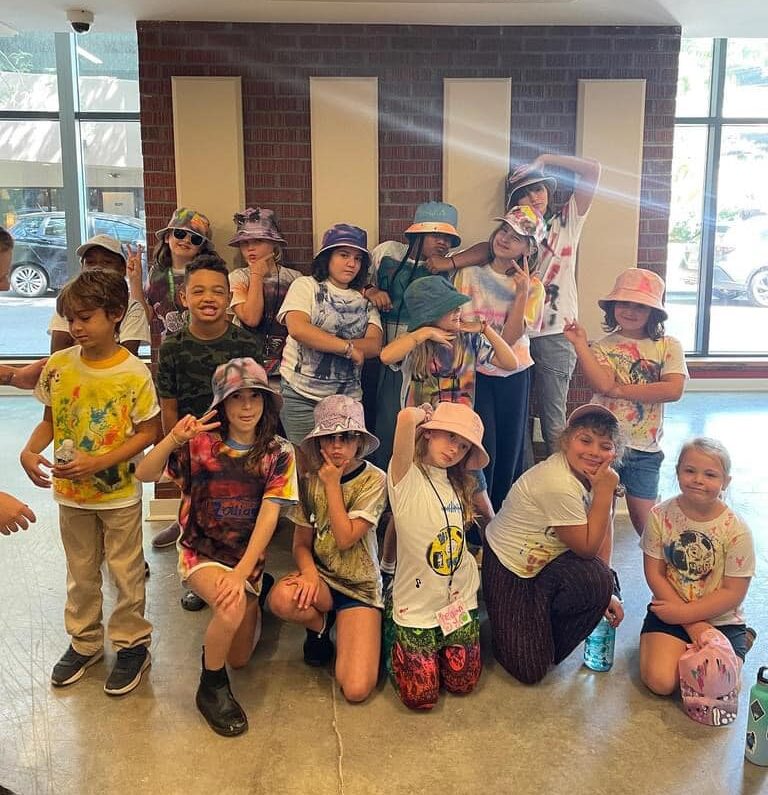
757 722
599 646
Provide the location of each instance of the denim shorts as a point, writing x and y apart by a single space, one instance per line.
736 633
343 602
639 473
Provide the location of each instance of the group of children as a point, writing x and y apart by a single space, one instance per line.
262 351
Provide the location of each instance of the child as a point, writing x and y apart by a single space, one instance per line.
103 251
699 559
101 397
189 357
546 576
259 288
634 371
233 483
335 550
434 621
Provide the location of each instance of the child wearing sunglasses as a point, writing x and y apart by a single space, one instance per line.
334 547
186 235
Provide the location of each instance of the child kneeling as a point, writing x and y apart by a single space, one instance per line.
233 482
335 549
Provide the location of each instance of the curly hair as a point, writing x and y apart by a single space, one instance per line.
320 268
600 424
206 262
94 289
654 326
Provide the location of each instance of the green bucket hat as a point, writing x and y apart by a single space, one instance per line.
429 298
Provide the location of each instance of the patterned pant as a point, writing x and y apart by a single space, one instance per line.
421 660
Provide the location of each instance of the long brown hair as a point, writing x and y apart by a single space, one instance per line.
266 429
423 355
462 480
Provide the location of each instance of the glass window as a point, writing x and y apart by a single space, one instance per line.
55 226
28 72
746 78
684 246
694 77
108 66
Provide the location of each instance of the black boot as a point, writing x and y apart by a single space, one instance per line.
217 704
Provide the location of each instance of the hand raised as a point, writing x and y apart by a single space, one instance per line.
188 427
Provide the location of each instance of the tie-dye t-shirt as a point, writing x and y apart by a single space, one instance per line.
643 361
98 405
699 554
220 498
492 297
452 373
354 571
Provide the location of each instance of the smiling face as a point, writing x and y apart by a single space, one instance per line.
701 477
445 448
243 410
509 245
586 450
343 265
98 257
206 295
632 318
182 251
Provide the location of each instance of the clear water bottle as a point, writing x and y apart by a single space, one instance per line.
756 750
65 452
599 646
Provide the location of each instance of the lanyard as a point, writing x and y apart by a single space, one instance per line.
451 567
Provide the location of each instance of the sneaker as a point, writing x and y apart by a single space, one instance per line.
318 647
72 666
167 537
192 602
126 675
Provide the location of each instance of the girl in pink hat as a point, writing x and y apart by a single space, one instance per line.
335 550
432 631
634 371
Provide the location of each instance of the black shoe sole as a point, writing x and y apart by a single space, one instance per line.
134 683
192 602
79 675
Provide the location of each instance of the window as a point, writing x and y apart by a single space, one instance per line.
717 266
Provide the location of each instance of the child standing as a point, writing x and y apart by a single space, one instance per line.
101 397
233 483
434 621
259 288
699 559
335 550
634 371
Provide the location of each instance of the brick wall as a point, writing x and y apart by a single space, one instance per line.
276 61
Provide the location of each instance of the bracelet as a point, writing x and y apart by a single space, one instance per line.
175 440
348 349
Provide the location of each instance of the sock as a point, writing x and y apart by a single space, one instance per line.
215 678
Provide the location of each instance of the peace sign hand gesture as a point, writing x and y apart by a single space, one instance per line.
521 276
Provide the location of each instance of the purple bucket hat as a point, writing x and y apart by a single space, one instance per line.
236 374
344 235
191 220
256 224
337 414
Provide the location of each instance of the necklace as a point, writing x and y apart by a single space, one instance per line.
452 565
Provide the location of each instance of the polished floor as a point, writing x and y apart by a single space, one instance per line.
576 732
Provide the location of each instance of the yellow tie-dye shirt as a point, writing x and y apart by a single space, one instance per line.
98 405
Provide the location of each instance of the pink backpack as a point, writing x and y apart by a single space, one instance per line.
710 679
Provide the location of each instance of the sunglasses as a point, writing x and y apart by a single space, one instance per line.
343 437
194 238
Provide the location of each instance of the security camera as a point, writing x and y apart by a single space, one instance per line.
80 20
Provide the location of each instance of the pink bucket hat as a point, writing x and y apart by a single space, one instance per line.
640 286
256 224
459 419
337 414
710 680
236 374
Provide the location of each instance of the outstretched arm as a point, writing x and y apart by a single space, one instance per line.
404 443
586 169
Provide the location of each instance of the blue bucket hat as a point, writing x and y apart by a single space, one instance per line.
344 235
429 298
436 218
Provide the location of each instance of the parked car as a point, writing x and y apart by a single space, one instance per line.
40 252
741 261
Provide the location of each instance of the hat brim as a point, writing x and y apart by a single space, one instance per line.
634 297
590 408
435 228
80 251
240 237
246 383
533 179
343 244
476 458
370 442
449 303
160 232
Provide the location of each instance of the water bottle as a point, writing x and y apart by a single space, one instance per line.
65 452
598 647
757 723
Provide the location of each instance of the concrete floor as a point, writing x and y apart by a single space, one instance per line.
576 732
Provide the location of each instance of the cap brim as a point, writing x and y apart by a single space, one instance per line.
590 408
550 182
343 244
81 250
241 236
633 297
160 232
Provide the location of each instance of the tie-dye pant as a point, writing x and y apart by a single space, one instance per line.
421 660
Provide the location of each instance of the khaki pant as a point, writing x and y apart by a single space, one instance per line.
91 536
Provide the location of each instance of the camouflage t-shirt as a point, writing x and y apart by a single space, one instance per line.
187 365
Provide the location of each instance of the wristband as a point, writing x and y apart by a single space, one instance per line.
348 349
175 440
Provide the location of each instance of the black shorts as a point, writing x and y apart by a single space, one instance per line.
736 633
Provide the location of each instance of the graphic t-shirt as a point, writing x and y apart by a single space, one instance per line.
187 365
639 362
547 496
452 372
492 297
275 286
134 326
98 405
699 554
162 293
433 565
557 269
341 312
354 571
220 498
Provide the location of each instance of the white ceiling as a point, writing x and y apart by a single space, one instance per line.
729 18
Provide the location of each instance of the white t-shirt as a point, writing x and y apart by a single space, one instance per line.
341 312
639 362
700 554
427 551
547 496
557 268
134 326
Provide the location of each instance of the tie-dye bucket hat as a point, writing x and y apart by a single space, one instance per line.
256 224
191 220
639 286
237 374
339 414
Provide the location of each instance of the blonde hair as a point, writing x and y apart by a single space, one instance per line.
423 355
462 480
710 447
277 255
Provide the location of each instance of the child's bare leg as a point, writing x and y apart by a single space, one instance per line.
247 635
639 509
659 657
284 606
358 646
481 503
389 548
